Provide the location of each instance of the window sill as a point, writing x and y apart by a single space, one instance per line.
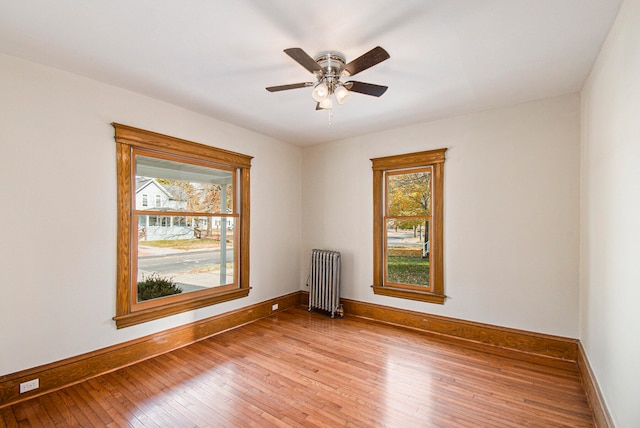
403 293
138 317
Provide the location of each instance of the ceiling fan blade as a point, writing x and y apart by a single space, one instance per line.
302 58
287 87
365 88
371 58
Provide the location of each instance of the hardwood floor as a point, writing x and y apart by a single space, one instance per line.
305 369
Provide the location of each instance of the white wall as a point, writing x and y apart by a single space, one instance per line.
58 215
511 212
610 218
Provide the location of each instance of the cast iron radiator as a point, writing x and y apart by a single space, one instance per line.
324 282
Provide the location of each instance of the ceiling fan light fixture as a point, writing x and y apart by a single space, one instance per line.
326 104
342 94
320 92
328 67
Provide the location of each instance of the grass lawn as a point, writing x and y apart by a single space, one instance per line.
408 270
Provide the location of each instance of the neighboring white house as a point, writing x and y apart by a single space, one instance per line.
153 196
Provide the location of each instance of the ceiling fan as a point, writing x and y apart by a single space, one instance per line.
329 67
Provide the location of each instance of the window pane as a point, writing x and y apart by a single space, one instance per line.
409 194
407 252
177 186
184 253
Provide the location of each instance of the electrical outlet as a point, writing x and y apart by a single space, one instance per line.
29 385
274 307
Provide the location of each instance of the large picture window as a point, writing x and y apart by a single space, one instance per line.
190 248
408 226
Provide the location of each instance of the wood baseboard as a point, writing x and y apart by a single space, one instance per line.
594 395
72 370
506 338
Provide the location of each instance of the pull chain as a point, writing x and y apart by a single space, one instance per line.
330 117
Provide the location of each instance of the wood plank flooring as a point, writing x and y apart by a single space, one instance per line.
305 369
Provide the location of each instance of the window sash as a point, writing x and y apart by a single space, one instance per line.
207 166
231 235
387 281
388 176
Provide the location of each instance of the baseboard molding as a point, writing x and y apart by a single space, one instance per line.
77 369
506 338
594 395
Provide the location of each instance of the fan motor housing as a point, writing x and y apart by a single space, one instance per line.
332 62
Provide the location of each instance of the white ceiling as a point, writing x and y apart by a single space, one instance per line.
216 57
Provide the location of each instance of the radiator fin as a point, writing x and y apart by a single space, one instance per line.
324 281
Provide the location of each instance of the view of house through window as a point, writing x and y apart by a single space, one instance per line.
186 240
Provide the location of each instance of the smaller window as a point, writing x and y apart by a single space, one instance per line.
145 200
158 202
408 226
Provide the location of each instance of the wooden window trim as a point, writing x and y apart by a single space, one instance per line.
128 140
434 159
